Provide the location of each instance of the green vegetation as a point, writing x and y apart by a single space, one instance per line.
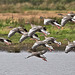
60 34
22 5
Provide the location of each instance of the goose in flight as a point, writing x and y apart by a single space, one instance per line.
34 29
67 18
50 40
43 43
18 29
38 54
37 28
70 14
64 20
70 46
52 22
6 41
25 35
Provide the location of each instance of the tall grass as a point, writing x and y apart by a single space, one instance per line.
37 5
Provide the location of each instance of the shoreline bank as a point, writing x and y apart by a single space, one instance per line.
27 47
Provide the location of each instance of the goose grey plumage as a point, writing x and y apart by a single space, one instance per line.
43 43
18 29
70 46
50 40
68 17
52 22
25 35
6 41
71 14
38 54
65 19
39 29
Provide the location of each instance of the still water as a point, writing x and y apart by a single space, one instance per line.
58 63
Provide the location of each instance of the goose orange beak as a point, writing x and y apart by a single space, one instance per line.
44 59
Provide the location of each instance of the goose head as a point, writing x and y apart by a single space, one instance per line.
44 58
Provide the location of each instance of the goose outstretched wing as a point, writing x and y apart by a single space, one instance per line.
23 37
65 20
68 48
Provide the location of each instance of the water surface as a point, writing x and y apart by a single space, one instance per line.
59 63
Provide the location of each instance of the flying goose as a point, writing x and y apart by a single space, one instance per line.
18 29
50 40
68 17
64 20
35 29
25 35
70 14
6 41
52 22
43 43
38 54
70 46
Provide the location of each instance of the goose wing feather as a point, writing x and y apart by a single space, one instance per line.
23 37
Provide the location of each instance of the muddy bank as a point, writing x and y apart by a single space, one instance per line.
26 47
14 47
